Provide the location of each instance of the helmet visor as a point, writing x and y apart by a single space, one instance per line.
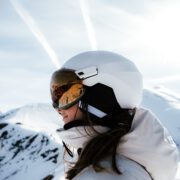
66 89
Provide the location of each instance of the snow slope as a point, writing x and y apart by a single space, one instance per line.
166 106
30 148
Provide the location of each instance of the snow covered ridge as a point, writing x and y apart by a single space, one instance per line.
166 106
27 151
30 148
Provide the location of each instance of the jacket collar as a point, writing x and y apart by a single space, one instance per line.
78 136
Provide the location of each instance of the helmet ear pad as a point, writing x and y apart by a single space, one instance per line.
101 97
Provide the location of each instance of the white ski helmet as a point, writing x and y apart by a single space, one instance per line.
112 70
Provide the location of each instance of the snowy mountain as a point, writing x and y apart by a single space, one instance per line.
30 148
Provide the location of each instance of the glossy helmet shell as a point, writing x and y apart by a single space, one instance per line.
112 70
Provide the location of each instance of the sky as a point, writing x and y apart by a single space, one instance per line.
37 37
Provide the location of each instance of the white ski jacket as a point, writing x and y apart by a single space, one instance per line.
146 152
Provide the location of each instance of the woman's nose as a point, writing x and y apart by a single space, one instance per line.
60 111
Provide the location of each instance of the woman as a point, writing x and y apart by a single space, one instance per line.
98 93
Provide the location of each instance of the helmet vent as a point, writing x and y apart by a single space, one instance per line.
80 73
87 72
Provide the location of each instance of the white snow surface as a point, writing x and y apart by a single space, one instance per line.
30 148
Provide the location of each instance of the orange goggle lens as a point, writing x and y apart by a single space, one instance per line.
66 96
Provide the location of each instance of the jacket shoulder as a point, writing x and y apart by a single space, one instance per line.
150 144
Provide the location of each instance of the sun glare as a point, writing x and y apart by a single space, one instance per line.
161 31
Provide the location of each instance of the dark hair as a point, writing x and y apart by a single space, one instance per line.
103 144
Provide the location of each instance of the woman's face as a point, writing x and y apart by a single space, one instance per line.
71 114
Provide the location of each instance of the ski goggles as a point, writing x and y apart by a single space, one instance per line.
66 89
